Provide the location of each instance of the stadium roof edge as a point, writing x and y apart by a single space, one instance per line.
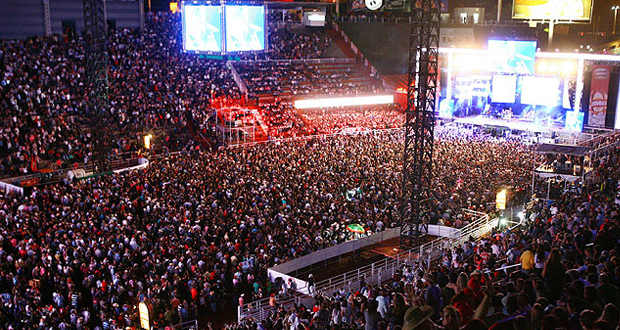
285 4
572 56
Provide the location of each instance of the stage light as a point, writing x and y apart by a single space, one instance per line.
147 141
500 200
553 68
503 221
542 67
568 67
319 17
469 62
344 101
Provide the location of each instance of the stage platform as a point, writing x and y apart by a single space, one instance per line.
515 124
536 132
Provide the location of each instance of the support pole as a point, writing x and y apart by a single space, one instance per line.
499 10
550 35
579 87
96 81
47 23
420 122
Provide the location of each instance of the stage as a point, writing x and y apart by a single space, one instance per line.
538 133
513 124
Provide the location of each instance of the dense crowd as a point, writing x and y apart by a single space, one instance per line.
282 120
194 231
296 43
303 77
335 120
38 104
567 269
151 85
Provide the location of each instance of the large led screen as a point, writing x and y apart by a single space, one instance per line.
574 121
503 89
540 91
512 56
575 10
202 28
245 28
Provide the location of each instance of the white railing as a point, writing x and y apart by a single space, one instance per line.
306 60
8 188
603 144
372 19
317 137
596 138
189 325
335 251
237 78
377 272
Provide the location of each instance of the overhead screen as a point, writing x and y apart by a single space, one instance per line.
512 56
574 121
245 28
574 10
223 28
202 28
503 89
540 91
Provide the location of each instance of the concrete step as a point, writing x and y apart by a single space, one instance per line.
334 51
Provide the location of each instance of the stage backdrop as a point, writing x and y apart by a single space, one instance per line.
599 90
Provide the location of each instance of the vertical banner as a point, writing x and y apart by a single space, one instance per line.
599 88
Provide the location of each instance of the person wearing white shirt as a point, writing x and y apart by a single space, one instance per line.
383 304
293 320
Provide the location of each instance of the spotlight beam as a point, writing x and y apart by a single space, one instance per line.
344 101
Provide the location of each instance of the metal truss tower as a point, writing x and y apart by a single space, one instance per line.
96 81
420 122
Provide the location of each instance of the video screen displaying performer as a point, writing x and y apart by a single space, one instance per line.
245 28
512 56
203 28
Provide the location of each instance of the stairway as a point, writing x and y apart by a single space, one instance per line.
337 41
260 120
334 51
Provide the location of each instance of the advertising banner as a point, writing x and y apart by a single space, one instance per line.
358 5
442 5
457 37
574 10
599 89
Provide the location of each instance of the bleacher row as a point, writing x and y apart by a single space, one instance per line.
290 78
